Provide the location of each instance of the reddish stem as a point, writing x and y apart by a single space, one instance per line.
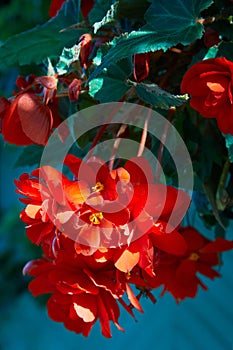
172 111
104 126
144 134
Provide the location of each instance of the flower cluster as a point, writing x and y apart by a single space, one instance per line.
106 237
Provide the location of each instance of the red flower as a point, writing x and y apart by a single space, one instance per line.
210 85
39 228
28 120
99 208
101 225
179 274
96 173
143 250
156 201
89 214
82 290
102 232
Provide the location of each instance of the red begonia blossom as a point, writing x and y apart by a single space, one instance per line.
82 289
29 117
209 83
178 274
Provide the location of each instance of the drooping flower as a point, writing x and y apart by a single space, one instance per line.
28 118
103 232
82 289
210 85
179 274
143 250
97 208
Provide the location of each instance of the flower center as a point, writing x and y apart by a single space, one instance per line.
194 256
98 187
128 275
95 218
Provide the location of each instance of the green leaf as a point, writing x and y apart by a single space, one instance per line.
177 16
30 155
109 18
163 30
44 40
111 84
130 44
211 53
68 56
154 95
229 145
99 10
204 54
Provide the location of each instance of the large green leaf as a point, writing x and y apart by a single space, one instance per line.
168 23
152 94
120 9
99 10
130 44
109 18
176 15
68 56
43 41
110 85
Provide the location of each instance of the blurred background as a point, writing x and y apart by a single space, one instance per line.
203 323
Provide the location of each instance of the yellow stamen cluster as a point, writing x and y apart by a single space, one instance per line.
98 187
128 275
194 257
95 218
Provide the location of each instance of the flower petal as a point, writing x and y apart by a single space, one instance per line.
36 118
171 242
127 261
218 246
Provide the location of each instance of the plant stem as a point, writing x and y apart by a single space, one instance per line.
171 113
104 126
144 134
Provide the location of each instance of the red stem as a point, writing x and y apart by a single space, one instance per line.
144 134
103 127
161 146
